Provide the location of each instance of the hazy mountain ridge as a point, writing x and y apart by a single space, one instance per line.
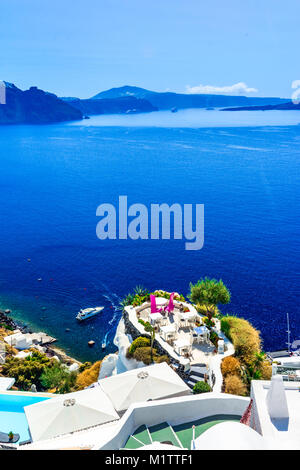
120 105
169 100
35 106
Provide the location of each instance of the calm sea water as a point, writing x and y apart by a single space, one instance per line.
243 166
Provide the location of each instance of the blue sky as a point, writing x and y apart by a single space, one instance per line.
81 47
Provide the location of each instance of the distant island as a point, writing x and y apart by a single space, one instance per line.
169 100
35 106
289 105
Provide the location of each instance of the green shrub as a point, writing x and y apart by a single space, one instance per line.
266 370
59 378
235 386
214 337
138 297
210 323
163 358
6 327
226 323
27 371
139 342
244 336
88 376
84 366
128 300
230 366
202 309
209 292
201 387
143 354
166 295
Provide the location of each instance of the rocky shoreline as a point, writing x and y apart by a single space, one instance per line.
10 324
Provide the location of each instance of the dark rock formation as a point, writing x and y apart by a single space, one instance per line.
34 106
7 321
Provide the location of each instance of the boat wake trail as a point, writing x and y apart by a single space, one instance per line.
114 300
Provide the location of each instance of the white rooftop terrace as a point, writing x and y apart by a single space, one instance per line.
280 421
200 352
178 410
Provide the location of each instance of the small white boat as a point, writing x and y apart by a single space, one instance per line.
104 341
86 313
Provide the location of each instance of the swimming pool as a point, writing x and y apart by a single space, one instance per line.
12 415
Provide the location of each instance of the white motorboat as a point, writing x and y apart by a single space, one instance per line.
86 313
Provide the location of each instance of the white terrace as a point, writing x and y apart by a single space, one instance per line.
177 332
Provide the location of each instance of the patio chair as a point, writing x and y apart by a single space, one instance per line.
154 308
195 337
183 351
170 307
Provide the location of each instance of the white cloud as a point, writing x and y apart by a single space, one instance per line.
237 89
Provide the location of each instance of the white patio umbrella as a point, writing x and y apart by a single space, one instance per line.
147 383
68 413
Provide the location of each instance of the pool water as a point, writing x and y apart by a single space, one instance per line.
12 415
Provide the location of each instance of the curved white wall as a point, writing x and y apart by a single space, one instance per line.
174 411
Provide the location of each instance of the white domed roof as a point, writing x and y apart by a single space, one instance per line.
230 436
159 446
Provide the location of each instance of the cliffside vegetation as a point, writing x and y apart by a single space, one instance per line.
87 375
141 350
45 373
208 293
249 362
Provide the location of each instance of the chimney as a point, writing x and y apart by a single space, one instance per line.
276 399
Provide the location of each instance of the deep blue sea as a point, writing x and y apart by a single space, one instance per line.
244 167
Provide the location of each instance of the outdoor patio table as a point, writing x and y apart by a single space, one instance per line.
155 317
200 330
166 330
181 344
